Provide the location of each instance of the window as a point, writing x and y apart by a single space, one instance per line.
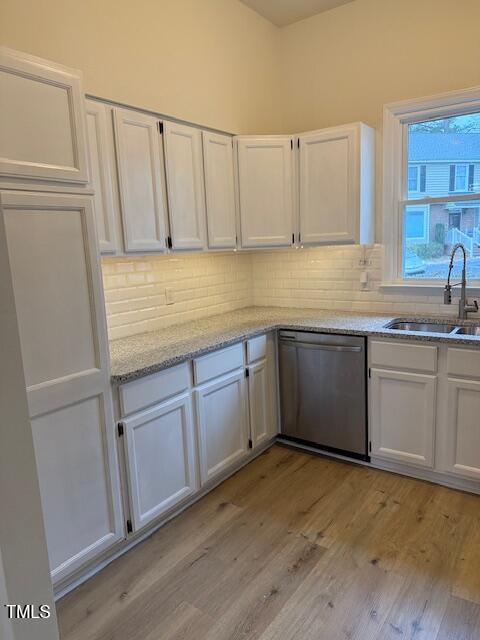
417 175
432 187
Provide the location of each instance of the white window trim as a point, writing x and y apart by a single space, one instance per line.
395 116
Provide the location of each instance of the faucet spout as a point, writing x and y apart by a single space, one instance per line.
463 306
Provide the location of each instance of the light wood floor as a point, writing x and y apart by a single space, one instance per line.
296 547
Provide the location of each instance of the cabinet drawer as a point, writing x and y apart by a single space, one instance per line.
217 363
396 355
157 387
256 348
463 362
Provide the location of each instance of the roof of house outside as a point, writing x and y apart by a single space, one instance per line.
435 147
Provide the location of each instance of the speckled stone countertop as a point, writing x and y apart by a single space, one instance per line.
140 355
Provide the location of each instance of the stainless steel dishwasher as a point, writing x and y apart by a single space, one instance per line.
323 391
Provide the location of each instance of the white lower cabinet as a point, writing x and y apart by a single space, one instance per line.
222 424
462 432
161 461
402 421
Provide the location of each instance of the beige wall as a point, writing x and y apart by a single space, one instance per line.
213 62
343 65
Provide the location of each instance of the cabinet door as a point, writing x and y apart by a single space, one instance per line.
140 172
402 421
161 465
265 183
185 185
259 403
42 128
101 173
219 191
463 428
329 186
222 423
60 308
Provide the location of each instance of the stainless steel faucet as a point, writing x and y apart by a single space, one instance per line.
463 306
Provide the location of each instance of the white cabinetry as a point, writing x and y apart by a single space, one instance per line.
266 187
185 185
336 191
262 384
403 416
60 309
403 402
42 125
161 461
219 190
221 411
459 425
140 169
99 132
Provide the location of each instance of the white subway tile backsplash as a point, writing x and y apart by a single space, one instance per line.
205 284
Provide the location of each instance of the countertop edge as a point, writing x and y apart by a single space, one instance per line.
122 378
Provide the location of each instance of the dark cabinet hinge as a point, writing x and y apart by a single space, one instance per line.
247 373
299 238
298 143
250 443
121 429
129 526
291 145
293 238
169 242
160 127
370 447
369 372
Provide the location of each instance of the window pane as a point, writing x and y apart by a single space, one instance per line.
412 179
446 147
429 233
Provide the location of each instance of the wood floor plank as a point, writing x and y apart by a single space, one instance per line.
296 547
461 621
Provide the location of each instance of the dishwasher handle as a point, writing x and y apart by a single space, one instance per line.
321 346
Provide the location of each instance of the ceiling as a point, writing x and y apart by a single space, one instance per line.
283 12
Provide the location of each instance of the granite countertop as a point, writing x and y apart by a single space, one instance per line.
140 355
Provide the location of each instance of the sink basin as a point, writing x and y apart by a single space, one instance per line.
427 327
468 331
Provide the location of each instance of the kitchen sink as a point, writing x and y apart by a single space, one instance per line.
469 331
426 327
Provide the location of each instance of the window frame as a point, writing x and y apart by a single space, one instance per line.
395 179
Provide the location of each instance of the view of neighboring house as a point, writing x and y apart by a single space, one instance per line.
443 164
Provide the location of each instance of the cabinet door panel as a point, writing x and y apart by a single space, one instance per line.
219 191
160 459
101 174
329 186
185 185
42 128
463 428
258 397
140 175
403 416
60 309
265 182
222 423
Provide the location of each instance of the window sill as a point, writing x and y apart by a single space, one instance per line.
425 288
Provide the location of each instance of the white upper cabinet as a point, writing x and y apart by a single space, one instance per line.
265 185
140 169
336 185
185 185
219 190
42 123
99 130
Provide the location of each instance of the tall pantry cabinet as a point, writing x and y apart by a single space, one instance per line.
47 209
